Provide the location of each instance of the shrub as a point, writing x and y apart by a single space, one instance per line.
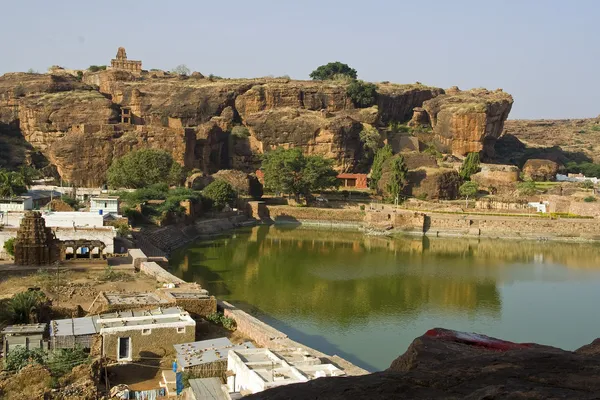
9 246
240 131
19 357
362 94
110 275
590 199
62 361
587 184
527 188
220 319
74 203
181 69
328 71
382 155
397 127
218 194
19 90
596 128
96 68
123 229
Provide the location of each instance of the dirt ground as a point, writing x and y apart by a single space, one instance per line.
74 284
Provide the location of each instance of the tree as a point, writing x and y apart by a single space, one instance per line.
143 168
12 184
381 156
9 246
468 189
328 71
289 171
24 306
527 188
181 69
470 166
363 94
398 178
219 193
587 184
371 142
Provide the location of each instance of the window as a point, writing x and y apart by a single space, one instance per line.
124 349
146 331
181 330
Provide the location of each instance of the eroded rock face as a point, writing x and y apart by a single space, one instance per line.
445 364
82 126
540 170
469 121
496 175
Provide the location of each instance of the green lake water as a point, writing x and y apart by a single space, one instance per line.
366 298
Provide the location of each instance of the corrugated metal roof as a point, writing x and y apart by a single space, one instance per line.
206 351
207 388
73 327
24 329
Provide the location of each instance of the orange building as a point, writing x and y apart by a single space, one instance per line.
353 181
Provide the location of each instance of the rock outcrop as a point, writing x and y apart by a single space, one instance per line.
494 175
469 121
81 124
445 364
540 170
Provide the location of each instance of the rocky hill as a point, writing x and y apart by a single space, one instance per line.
81 124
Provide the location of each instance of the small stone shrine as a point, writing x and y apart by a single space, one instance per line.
35 243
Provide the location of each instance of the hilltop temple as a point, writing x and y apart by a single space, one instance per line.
121 62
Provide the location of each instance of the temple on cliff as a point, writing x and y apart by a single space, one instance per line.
121 62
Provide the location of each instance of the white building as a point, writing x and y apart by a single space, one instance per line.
19 203
254 370
541 207
104 205
576 178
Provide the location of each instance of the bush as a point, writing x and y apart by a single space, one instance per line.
590 199
181 69
62 361
20 357
220 319
19 90
328 71
362 94
96 68
110 275
527 188
218 194
72 202
123 229
240 131
9 246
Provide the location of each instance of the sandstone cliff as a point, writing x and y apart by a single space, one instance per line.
81 126
468 121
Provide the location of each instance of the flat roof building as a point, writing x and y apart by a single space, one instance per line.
208 357
29 336
255 370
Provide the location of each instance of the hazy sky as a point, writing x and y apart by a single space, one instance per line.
545 53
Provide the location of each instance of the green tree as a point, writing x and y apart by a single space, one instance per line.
470 166
527 188
289 171
381 156
587 184
363 94
142 168
12 184
371 142
398 178
9 246
24 306
468 189
328 71
219 193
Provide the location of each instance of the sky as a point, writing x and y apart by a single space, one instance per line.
544 53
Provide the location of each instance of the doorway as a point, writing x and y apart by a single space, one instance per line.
124 349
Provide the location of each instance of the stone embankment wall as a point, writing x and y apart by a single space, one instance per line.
316 216
153 269
267 336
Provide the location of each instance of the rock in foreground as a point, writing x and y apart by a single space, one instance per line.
444 364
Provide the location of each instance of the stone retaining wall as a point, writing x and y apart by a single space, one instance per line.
159 273
288 213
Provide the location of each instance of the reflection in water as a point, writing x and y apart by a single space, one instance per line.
359 296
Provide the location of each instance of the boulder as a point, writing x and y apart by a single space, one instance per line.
540 170
445 364
244 184
469 121
496 175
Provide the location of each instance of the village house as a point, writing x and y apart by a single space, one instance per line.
16 204
104 205
126 336
29 336
252 371
207 358
353 181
